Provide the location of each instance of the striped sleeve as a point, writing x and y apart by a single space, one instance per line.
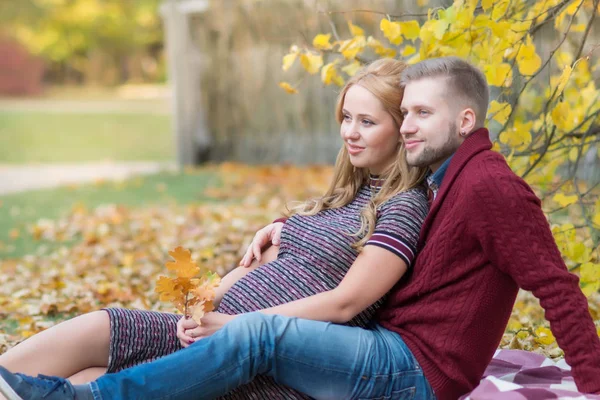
398 224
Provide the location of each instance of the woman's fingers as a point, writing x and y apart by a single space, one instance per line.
277 228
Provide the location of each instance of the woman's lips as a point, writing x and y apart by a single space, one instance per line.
354 150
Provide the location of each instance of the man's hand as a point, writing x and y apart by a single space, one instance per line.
269 234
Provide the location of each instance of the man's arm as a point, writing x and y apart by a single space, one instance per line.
515 235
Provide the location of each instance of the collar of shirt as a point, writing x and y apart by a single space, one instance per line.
434 180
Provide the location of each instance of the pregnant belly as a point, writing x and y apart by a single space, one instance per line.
278 283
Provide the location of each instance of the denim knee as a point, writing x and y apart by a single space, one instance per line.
255 325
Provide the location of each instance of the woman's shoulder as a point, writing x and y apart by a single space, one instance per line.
417 195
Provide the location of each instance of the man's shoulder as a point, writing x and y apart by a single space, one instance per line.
488 174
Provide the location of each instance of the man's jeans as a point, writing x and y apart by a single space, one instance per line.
323 360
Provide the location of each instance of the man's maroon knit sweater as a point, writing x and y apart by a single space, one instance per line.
484 237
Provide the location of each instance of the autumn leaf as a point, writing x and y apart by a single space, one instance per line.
183 265
352 68
311 62
288 88
563 200
499 111
355 30
392 31
321 41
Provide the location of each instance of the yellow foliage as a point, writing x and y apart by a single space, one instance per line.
544 336
564 200
498 75
321 41
355 30
311 62
564 78
528 60
392 31
499 111
183 265
330 75
410 29
288 88
352 68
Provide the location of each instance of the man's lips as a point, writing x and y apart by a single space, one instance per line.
354 150
411 144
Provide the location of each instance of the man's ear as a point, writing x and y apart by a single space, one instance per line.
467 121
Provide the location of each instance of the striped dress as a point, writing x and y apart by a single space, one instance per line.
314 255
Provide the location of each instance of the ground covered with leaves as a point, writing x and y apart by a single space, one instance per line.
111 255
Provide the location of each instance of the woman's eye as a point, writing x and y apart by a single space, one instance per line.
346 117
367 122
423 112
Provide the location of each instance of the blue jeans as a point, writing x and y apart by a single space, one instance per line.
323 360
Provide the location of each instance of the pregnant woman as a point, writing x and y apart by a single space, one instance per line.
372 212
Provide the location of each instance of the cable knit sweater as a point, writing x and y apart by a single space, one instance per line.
484 237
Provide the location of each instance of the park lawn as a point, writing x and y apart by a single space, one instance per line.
19 211
44 137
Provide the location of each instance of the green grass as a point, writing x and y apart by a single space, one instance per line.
17 211
44 137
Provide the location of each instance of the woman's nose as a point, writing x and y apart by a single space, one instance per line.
351 132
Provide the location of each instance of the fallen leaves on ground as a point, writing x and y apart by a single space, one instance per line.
118 253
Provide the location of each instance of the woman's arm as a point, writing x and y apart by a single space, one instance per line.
372 275
236 274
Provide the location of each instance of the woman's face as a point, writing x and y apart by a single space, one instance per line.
368 131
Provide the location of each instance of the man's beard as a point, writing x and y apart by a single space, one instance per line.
431 156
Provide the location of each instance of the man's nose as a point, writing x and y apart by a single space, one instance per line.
407 127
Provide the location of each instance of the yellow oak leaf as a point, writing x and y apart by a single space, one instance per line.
330 75
168 289
352 68
312 63
589 272
288 88
499 111
321 41
408 51
560 116
564 78
183 266
288 61
564 200
498 75
528 61
391 30
355 30
544 336
410 29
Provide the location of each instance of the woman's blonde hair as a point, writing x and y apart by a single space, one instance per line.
382 79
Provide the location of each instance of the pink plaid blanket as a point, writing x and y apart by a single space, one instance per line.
523 375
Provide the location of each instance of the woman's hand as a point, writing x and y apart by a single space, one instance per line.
185 325
210 323
269 234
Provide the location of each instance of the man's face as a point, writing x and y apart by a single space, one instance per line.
429 128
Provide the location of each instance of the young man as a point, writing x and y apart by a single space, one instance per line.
485 236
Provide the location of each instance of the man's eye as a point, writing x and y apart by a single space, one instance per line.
423 112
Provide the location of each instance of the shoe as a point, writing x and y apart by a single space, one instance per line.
23 387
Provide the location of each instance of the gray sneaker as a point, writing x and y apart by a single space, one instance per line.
23 387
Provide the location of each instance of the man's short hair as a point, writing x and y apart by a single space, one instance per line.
463 80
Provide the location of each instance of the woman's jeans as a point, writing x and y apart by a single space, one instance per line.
323 360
